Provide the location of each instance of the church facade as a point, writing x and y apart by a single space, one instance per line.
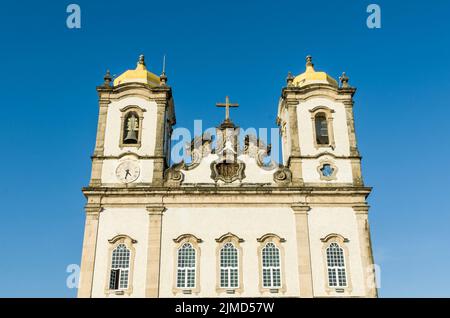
228 222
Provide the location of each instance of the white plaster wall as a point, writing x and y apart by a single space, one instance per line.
343 175
209 223
339 220
253 173
112 222
305 126
110 166
201 173
113 125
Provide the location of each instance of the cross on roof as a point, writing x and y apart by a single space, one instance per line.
227 106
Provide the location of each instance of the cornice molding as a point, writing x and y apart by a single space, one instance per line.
229 235
324 188
122 237
300 208
187 236
93 210
327 153
361 209
130 153
334 236
156 209
270 235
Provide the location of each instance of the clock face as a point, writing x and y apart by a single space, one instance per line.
128 171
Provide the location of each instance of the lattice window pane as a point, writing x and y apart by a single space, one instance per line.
342 278
271 266
267 282
234 277
120 266
332 277
123 279
336 266
191 278
224 278
186 266
181 278
113 279
276 276
229 262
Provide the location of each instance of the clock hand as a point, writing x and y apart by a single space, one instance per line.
127 173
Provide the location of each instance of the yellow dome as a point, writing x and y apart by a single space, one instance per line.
310 76
138 75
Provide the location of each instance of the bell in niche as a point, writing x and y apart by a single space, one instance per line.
132 130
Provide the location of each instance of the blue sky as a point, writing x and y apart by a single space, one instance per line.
243 49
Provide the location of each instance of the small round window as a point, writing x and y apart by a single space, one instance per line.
327 170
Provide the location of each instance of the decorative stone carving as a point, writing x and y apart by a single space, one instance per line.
173 176
227 171
282 176
197 150
255 148
327 170
227 167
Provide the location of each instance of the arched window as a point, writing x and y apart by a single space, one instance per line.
271 269
336 266
131 128
321 123
186 266
120 268
229 266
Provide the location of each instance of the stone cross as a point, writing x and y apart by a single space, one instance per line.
227 106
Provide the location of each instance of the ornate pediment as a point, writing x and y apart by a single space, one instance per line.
219 156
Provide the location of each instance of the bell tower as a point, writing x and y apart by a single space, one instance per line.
315 115
132 148
133 135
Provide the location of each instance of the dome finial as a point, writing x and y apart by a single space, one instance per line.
309 63
141 59
344 80
107 79
163 76
290 79
141 63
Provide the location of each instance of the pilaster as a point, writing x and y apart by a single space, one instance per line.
303 250
294 161
348 103
361 212
89 247
354 152
155 214
104 100
159 163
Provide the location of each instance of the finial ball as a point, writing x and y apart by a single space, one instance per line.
142 59
344 79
